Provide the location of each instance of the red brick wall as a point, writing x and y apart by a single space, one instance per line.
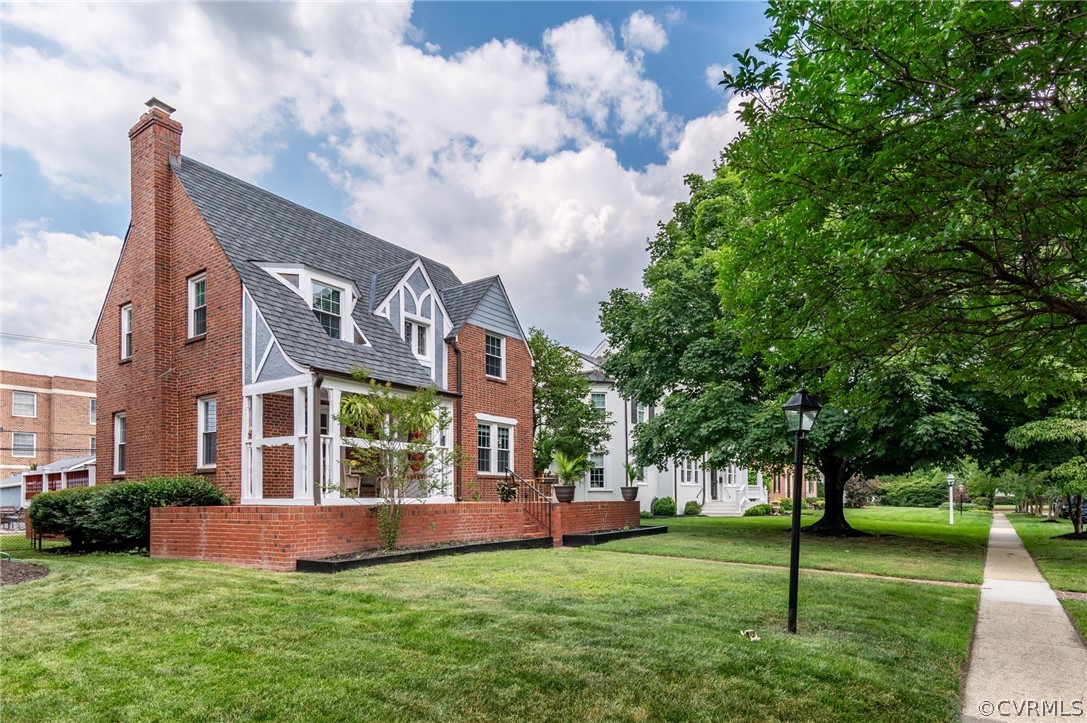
62 426
274 537
511 397
278 462
158 387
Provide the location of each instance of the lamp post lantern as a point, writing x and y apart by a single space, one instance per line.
800 413
951 497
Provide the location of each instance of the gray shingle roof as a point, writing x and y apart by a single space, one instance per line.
67 463
461 301
253 225
596 374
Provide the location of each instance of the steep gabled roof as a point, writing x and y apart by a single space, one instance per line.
461 301
593 369
254 225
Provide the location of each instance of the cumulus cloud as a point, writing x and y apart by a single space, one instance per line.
494 159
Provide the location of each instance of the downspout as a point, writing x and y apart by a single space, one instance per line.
626 444
458 404
315 436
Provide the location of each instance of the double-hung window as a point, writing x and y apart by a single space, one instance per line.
24 404
494 446
198 305
326 306
599 400
126 331
24 444
643 413
206 409
596 471
92 445
93 411
496 356
120 433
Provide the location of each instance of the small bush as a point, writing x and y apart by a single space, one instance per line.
664 507
758 511
983 503
70 513
786 505
1004 500
692 508
646 515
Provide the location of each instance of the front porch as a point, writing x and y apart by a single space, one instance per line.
279 463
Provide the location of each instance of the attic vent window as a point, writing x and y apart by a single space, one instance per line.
326 306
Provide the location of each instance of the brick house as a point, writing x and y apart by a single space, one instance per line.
235 318
45 418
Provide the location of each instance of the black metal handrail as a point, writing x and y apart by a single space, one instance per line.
537 504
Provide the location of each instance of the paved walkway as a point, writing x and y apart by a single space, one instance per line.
1028 662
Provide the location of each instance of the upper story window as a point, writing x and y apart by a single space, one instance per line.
198 305
93 415
326 306
417 335
24 404
207 424
126 331
23 444
120 433
496 356
599 400
92 446
643 413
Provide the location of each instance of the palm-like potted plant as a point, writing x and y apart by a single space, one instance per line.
630 491
570 470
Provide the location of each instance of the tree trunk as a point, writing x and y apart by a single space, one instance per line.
836 473
1075 511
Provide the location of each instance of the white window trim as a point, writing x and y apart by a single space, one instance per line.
126 331
34 398
605 487
502 359
201 413
92 444
92 411
193 281
494 423
592 400
428 326
33 441
119 418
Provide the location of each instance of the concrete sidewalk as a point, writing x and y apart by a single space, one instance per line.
1028 662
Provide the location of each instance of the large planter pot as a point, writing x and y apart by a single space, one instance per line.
564 493
629 493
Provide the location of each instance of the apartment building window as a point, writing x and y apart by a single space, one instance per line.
24 404
198 306
92 445
596 471
599 401
120 433
207 424
494 446
126 331
24 444
643 413
326 306
496 356
93 415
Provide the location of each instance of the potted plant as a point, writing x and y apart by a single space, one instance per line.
570 471
630 491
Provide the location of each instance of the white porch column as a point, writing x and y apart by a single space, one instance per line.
335 469
302 489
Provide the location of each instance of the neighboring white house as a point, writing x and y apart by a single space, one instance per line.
724 492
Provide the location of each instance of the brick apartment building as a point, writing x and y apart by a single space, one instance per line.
235 318
44 419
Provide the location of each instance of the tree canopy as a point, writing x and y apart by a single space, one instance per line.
917 180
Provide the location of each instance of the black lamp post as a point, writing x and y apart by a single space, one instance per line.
800 413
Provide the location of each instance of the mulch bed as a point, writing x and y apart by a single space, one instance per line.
13 573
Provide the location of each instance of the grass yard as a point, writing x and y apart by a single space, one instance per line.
1062 562
548 635
909 542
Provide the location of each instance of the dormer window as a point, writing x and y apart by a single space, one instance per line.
417 335
326 306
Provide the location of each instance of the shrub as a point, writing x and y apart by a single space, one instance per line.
68 512
983 503
117 517
758 511
786 505
692 508
646 514
663 507
1004 500
914 491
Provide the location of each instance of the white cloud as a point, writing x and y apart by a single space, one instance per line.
53 288
491 160
642 32
714 74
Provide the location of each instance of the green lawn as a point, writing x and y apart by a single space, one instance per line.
535 635
909 542
1062 562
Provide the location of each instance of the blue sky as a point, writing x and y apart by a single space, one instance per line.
542 141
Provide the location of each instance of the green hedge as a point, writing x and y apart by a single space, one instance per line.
758 511
914 492
692 508
786 504
118 516
663 507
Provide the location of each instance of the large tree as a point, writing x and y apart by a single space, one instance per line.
918 180
1060 445
674 344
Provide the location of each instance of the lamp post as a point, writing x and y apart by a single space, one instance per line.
951 497
800 413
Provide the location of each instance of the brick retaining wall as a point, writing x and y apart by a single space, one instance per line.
273 537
